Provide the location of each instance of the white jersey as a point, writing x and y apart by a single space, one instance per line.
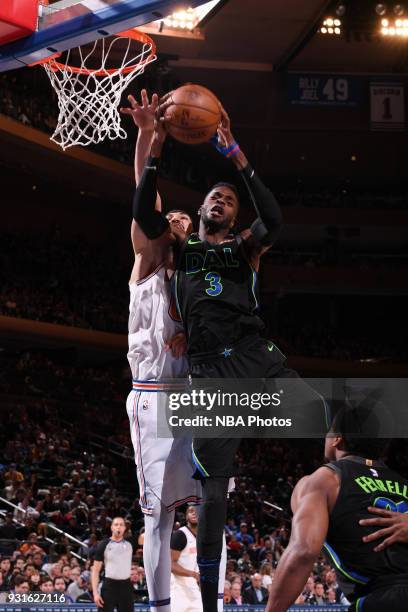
188 556
150 327
164 466
184 590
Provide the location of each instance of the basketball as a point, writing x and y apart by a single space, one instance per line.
194 114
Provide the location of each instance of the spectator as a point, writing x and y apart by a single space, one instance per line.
87 595
66 574
35 581
31 547
79 584
236 597
21 585
331 596
8 530
6 570
46 585
256 593
309 590
319 598
243 536
266 573
227 592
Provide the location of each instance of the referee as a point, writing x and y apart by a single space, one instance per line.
115 554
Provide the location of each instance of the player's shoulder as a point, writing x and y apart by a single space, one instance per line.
323 477
178 540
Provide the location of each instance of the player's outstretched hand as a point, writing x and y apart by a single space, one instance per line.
98 600
143 113
177 345
394 528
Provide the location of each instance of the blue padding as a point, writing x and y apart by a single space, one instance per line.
83 29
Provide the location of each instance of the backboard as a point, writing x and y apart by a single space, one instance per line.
65 24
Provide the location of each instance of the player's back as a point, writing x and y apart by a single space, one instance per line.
365 483
151 325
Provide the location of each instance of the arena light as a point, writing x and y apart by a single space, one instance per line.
381 9
331 26
184 21
394 27
341 10
399 10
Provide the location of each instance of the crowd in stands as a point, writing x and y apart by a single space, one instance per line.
40 111
71 282
51 480
57 481
48 277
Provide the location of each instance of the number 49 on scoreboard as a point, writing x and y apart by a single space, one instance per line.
387 106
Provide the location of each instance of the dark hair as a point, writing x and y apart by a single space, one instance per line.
360 423
229 185
57 578
47 579
178 210
20 579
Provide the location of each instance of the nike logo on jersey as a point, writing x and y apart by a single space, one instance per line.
271 347
192 241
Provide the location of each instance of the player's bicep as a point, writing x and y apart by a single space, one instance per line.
311 516
175 555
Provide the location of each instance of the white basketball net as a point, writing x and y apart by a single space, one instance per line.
88 102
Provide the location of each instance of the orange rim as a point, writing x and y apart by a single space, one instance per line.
133 34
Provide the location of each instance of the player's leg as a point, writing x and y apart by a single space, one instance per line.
156 557
392 598
213 515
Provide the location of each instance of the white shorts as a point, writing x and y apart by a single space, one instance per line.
184 600
164 466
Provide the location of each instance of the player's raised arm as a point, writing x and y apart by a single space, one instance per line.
310 504
143 116
152 222
267 226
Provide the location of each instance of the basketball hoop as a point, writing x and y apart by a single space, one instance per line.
89 94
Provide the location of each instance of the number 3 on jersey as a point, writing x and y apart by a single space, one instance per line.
215 287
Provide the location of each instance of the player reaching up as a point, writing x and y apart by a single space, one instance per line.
216 289
156 347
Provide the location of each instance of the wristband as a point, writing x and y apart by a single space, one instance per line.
230 151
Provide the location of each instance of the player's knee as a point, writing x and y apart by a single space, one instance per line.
215 491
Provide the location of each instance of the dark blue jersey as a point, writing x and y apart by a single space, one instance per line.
216 294
364 483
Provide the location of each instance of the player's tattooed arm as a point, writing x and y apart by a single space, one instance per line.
310 505
393 528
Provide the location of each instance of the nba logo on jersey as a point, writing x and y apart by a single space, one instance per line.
374 472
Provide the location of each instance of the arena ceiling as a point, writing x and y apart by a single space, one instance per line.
282 35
